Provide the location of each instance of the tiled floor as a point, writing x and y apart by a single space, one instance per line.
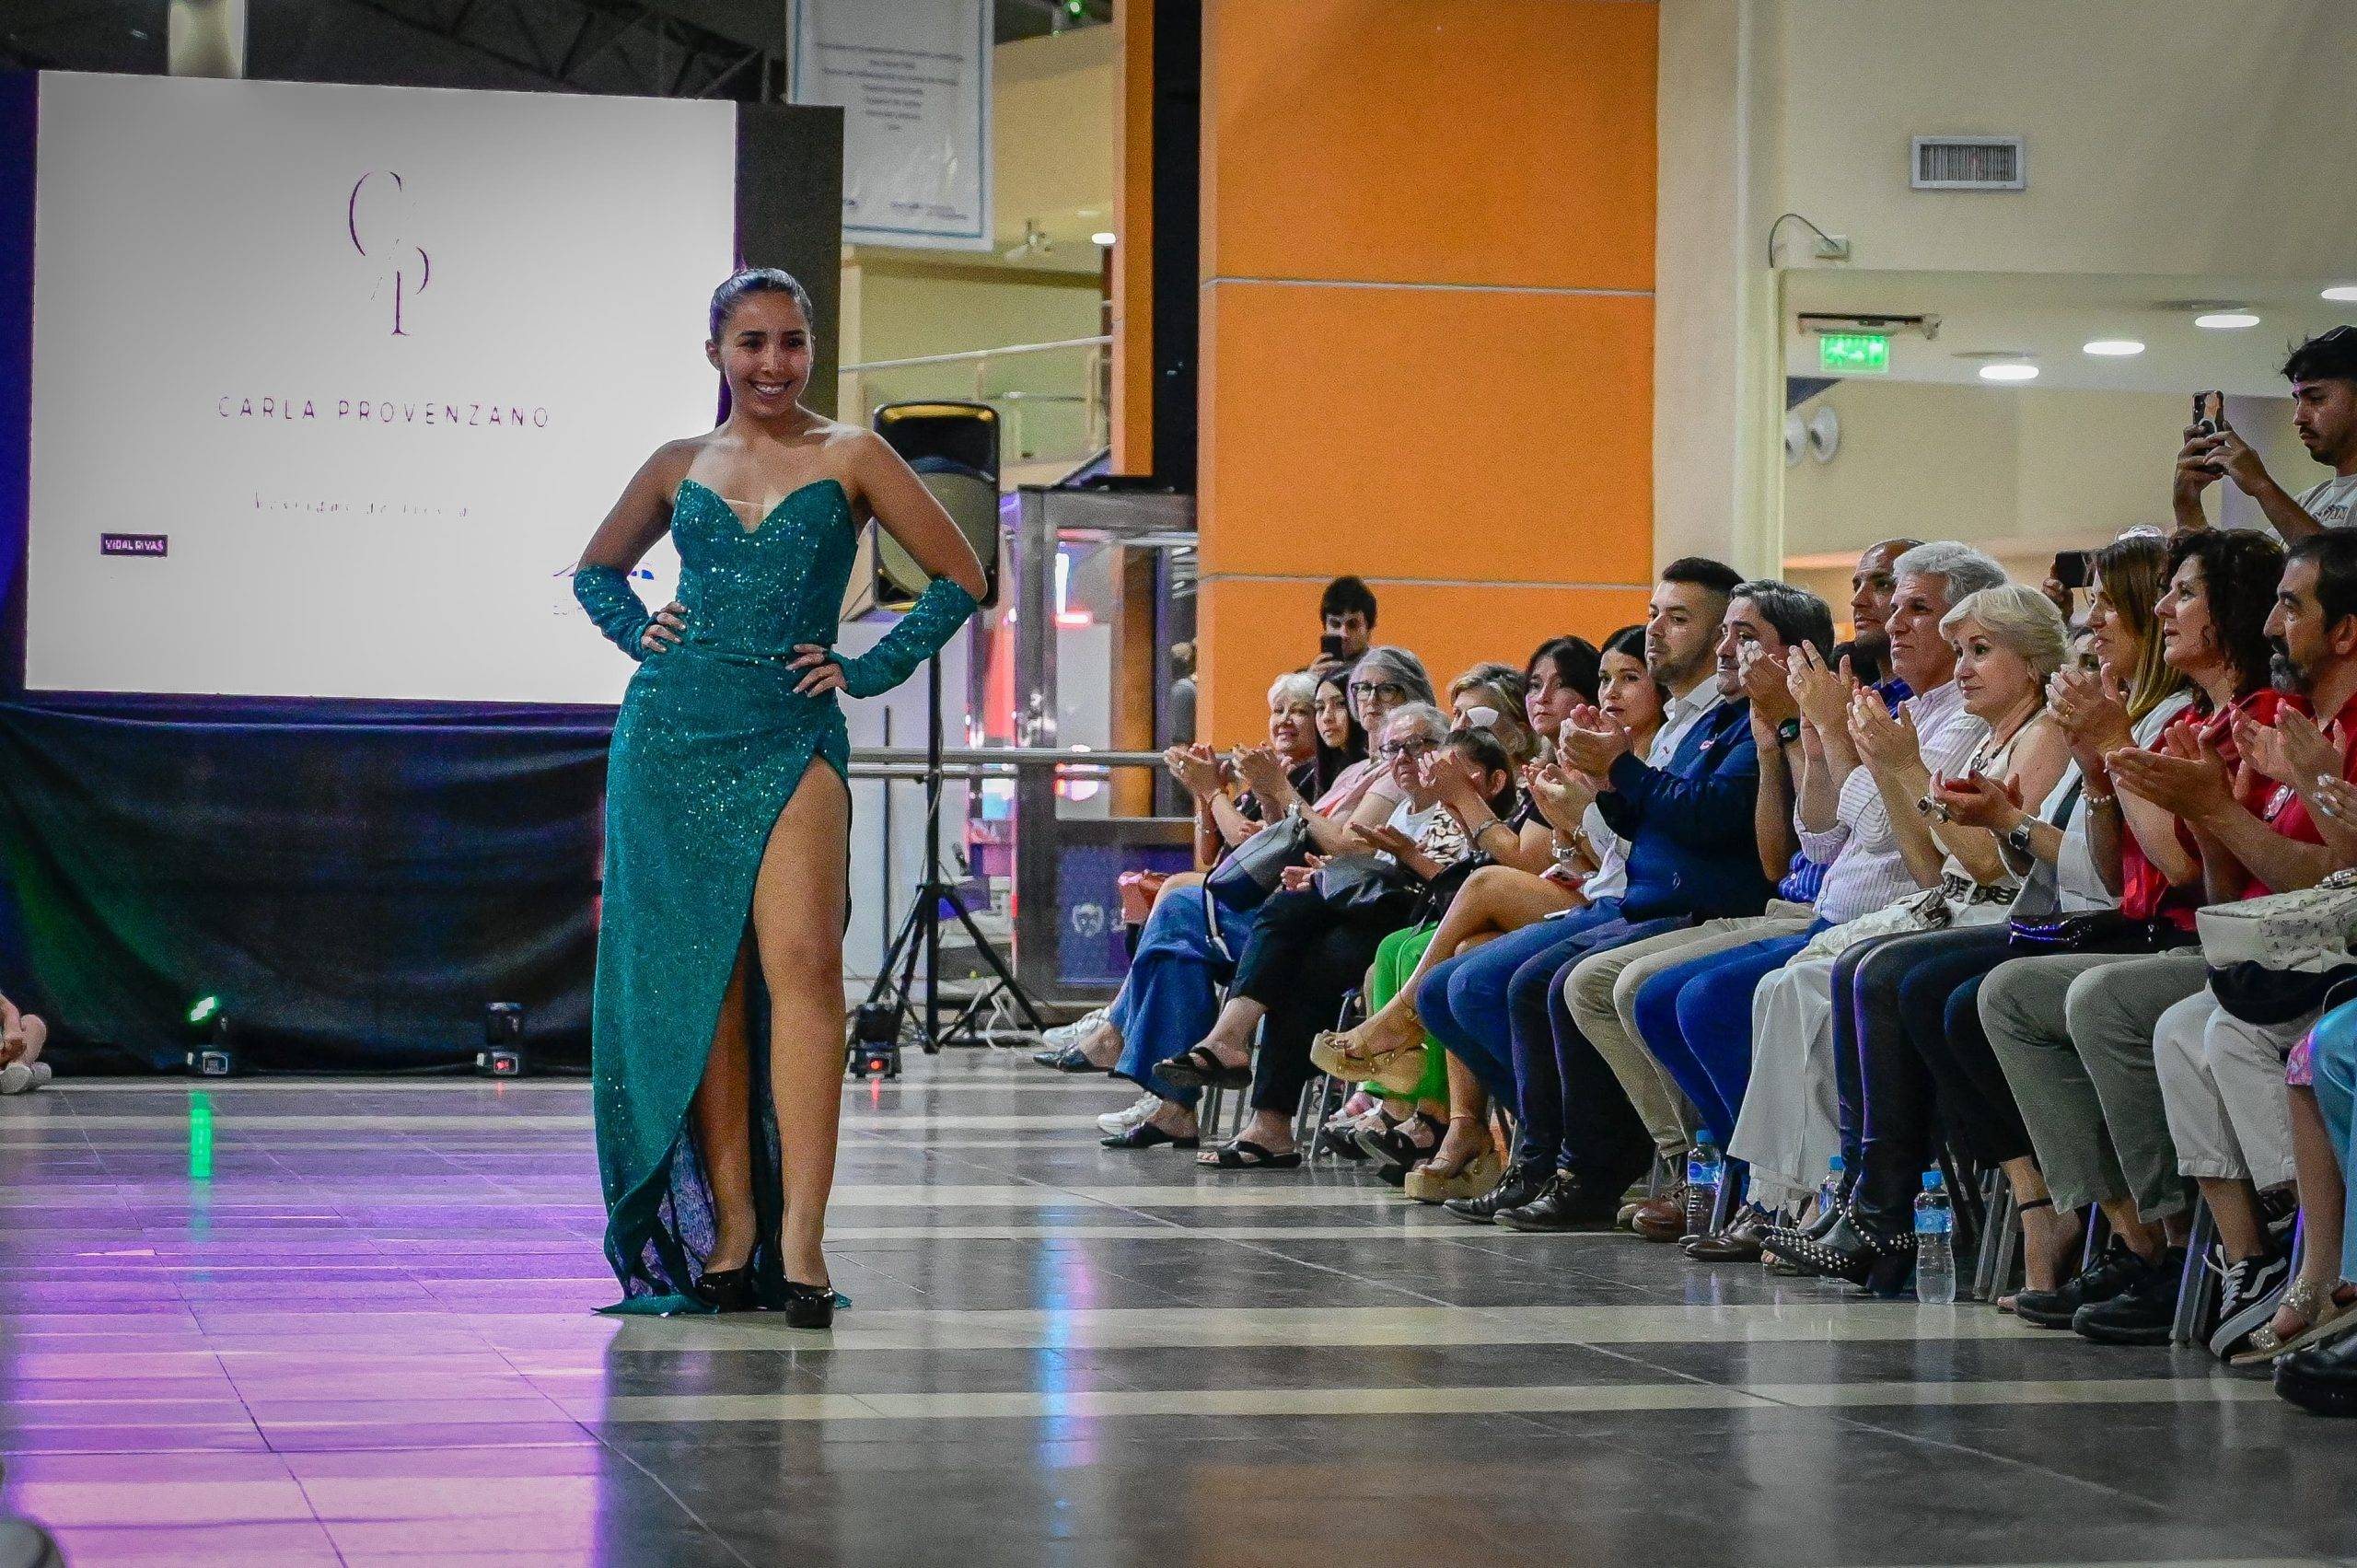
264 1323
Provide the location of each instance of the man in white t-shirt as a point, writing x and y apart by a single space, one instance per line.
2323 373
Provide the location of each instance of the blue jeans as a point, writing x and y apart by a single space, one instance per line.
2333 1056
1696 1019
1497 1007
1171 996
1463 1000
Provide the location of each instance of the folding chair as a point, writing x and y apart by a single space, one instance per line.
2196 1291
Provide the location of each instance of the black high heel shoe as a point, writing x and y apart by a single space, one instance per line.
726 1290
810 1306
1882 1264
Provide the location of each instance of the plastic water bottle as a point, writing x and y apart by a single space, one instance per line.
1828 1193
1705 1168
1934 1243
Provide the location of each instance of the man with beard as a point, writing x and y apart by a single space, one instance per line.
1870 588
1685 813
2220 1072
2323 373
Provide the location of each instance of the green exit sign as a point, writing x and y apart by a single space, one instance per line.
1854 353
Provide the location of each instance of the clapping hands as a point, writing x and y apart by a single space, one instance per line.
1886 743
1303 878
1819 691
1591 740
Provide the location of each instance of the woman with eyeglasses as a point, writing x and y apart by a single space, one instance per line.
1307 947
1384 678
1576 859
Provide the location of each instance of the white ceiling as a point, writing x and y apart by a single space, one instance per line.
2047 316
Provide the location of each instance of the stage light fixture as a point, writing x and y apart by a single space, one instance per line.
502 1055
209 1052
875 1041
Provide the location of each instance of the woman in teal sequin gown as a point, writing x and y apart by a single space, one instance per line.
726 850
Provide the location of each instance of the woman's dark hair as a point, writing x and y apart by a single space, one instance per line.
1332 759
1574 659
2241 569
1481 746
752 281
1630 640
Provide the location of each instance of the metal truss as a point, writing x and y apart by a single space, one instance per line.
600 46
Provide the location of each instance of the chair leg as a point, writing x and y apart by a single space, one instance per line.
2000 1238
2197 1290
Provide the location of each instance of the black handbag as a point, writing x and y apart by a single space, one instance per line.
1366 887
1253 869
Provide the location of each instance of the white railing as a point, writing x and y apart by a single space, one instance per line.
1055 398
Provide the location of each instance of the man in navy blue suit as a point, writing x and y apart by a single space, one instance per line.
1583 1142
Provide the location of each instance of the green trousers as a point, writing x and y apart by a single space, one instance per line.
1394 961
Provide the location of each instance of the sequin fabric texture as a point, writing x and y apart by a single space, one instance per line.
708 746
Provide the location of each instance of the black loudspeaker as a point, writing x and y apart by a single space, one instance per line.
954 449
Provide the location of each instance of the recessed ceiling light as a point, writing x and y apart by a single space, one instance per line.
2227 320
2113 348
2011 370
2341 292
1103 236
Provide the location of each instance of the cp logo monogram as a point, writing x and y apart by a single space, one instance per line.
373 217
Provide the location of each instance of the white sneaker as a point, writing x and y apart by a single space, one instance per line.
16 1078
1116 1122
1064 1036
40 1073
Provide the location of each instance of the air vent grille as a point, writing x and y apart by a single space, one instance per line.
1968 163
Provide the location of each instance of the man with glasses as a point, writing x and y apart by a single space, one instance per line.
2323 373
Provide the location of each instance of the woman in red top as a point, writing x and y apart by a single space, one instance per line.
2212 626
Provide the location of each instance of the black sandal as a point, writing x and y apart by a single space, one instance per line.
1199 1067
1146 1136
1393 1146
1245 1155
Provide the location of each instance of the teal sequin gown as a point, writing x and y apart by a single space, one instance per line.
708 746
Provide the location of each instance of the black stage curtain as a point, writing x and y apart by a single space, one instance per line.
354 881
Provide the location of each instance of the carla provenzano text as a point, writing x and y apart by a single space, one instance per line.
382 411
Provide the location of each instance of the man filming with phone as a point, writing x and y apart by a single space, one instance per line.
2323 373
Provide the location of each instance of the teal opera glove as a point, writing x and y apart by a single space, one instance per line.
604 592
938 612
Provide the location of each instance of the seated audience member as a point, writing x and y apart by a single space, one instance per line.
1786 1123
1187 948
1342 739
1305 952
2220 1052
1384 678
1680 808
1224 821
1763 620
2323 373
1559 676
2074 1030
1519 888
1921 993
1694 1015
2007 642
1415 1096
22 1035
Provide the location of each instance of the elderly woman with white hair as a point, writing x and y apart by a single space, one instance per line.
2008 641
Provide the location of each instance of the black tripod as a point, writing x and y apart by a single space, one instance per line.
877 1027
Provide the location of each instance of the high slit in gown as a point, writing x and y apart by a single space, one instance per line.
708 746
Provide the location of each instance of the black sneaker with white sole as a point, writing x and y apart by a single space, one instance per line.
2248 1298
2110 1273
2140 1314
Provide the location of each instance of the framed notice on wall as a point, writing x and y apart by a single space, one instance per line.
913 78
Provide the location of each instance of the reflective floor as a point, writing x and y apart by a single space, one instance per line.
347 1321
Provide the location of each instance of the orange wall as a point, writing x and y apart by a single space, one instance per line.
1427 326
